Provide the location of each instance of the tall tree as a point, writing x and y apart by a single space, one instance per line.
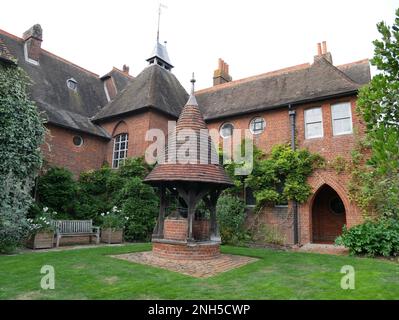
378 104
21 134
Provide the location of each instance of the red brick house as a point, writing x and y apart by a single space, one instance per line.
94 120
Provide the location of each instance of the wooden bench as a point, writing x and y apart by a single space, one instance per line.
75 228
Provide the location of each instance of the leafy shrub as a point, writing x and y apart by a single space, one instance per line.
96 190
99 191
373 238
231 217
57 190
140 204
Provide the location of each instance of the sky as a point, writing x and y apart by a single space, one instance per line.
252 36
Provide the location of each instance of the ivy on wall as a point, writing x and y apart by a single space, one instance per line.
21 134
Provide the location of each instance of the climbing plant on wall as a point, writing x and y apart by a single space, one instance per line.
21 134
278 176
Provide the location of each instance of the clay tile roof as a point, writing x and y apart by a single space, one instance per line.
276 89
60 105
199 167
155 88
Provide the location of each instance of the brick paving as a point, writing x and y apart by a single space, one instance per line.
323 248
194 268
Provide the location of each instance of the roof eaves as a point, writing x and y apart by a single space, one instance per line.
137 110
105 134
285 104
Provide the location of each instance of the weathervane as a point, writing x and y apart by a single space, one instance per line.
159 17
192 84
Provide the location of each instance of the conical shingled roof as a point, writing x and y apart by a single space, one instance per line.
175 164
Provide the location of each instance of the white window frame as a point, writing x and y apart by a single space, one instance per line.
117 148
306 123
26 55
260 131
221 130
350 119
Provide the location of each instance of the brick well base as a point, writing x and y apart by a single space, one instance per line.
186 251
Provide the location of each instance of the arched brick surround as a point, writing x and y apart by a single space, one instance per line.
120 127
326 225
336 182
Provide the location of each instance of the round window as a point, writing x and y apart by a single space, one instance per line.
226 130
257 125
337 206
77 141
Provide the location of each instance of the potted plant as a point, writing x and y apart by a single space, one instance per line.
41 235
112 226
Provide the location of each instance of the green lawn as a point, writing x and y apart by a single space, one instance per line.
92 274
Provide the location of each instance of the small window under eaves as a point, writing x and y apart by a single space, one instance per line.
72 84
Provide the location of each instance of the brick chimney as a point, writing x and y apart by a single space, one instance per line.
125 69
221 75
323 52
33 41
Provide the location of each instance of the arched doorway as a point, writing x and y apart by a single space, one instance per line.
328 215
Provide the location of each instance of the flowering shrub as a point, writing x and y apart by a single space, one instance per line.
42 222
113 219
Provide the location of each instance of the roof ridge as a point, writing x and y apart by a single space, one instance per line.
347 65
120 71
277 72
338 71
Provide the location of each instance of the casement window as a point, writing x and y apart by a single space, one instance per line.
313 123
341 116
226 130
120 150
257 125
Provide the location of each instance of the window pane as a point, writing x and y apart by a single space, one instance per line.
342 126
341 110
314 130
313 115
227 130
257 125
115 164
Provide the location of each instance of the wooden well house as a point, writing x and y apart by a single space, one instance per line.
188 170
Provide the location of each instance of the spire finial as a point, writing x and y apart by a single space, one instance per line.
159 18
192 84
191 100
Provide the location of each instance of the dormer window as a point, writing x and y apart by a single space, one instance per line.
72 84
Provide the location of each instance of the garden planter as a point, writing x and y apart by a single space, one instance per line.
112 235
41 240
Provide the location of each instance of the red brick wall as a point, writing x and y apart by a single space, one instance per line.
184 251
136 126
59 150
175 229
330 147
